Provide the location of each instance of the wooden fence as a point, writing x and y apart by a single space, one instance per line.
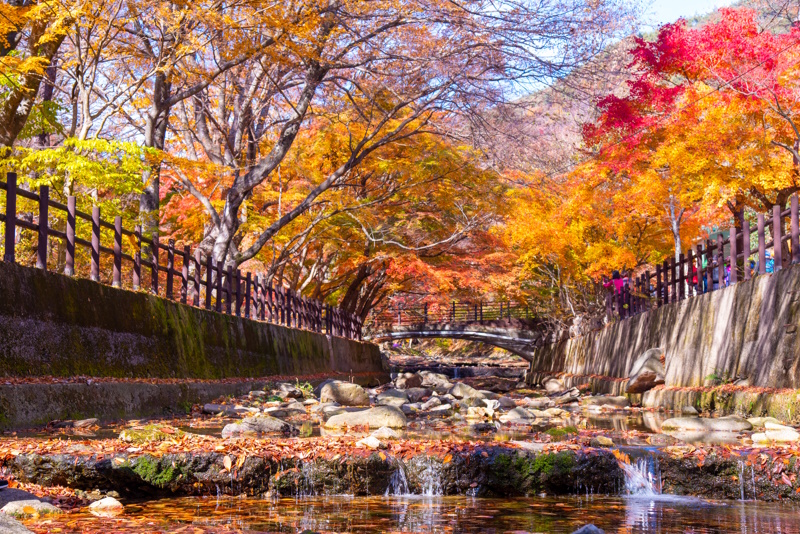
712 265
203 281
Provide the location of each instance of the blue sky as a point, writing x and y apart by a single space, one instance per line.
664 11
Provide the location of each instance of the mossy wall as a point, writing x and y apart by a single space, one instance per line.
56 325
748 330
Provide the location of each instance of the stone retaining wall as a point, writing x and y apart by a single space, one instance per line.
56 325
748 330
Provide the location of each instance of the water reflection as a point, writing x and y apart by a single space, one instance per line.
650 514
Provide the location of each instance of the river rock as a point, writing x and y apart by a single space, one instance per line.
373 418
601 400
602 441
417 394
690 411
9 525
780 433
731 423
589 529
259 424
759 422
431 403
517 414
441 409
408 380
432 380
344 393
385 432
392 397
408 408
537 403
567 397
553 385
555 412
149 434
294 408
647 372
106 507
29 508
474 412
227 409
492 404
371 442
464 391
507 402
289 391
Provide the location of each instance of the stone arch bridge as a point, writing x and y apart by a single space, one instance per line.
505 325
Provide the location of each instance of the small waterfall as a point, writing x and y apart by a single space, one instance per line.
398 483
642 476
455 373
305 483
431 479
741 480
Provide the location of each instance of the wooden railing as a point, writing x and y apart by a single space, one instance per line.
727 260
203 281
448 313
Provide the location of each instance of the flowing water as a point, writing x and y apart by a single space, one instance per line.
416 514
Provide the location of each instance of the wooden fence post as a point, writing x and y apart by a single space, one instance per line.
673 280
69 265
701 273
734 261
209 280
187 255
11 218
795 227
691 273
238 282
247 300
197 278
777 238
746 252
137 258
720 261
229 291
116 277
170 265
762 249
219 285
41 248
681 277
154 264
95 272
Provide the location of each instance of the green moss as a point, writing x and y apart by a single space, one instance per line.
547 464
153 472
149 434
561 433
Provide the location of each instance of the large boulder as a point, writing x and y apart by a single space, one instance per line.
9 525
376 417
344 393
647 371
259 424
408 380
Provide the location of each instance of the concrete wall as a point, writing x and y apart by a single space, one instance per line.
747 330
56 325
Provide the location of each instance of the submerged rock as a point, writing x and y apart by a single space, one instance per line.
385 432
149 434
647 372
589 529
731 423
259 424
29 508
344 393
376 417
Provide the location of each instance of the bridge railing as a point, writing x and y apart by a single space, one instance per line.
713 264
203 282
449 313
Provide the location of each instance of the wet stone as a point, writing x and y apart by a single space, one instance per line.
29 508
376 417
344 393
260 424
